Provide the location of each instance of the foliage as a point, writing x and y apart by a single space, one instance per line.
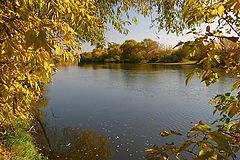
131 51
32 32
36 36
35 33
222 47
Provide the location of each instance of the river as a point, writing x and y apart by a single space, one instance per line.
115 111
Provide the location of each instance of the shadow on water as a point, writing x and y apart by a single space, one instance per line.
74 144
68 143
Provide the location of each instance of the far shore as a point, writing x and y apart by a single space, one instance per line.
177 63
161 63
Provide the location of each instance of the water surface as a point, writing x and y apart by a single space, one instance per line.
118 110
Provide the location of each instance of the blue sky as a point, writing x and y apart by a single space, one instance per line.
140 32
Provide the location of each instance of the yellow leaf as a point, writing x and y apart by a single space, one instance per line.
135 20
69 10
220 10
17 3
214 12
189 2
217 58
164 133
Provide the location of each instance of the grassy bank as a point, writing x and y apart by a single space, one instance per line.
178 63
19 144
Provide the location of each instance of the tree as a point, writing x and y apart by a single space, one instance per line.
33 32
223 140
130 49
151 49
114 53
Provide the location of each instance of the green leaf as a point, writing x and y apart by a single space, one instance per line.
227 94
236 85
233 109
208 29
221 140
189 77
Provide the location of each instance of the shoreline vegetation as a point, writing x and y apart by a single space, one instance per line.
19 143
19 140
146 51
177 63
18 137
33 32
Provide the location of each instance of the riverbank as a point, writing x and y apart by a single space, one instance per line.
19 144
160 63
178 63
17 125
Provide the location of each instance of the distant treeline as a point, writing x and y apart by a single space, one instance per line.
147 51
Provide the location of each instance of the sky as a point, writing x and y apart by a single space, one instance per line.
140 32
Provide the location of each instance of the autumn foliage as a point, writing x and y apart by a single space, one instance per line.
32 32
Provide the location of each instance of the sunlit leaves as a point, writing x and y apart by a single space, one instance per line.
131 51
32 32
36 35
199 144
201 127
220 10
135 20
220 43
189 77
236 85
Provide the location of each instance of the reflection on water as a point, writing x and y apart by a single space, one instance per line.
137 67
74 144
127 104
